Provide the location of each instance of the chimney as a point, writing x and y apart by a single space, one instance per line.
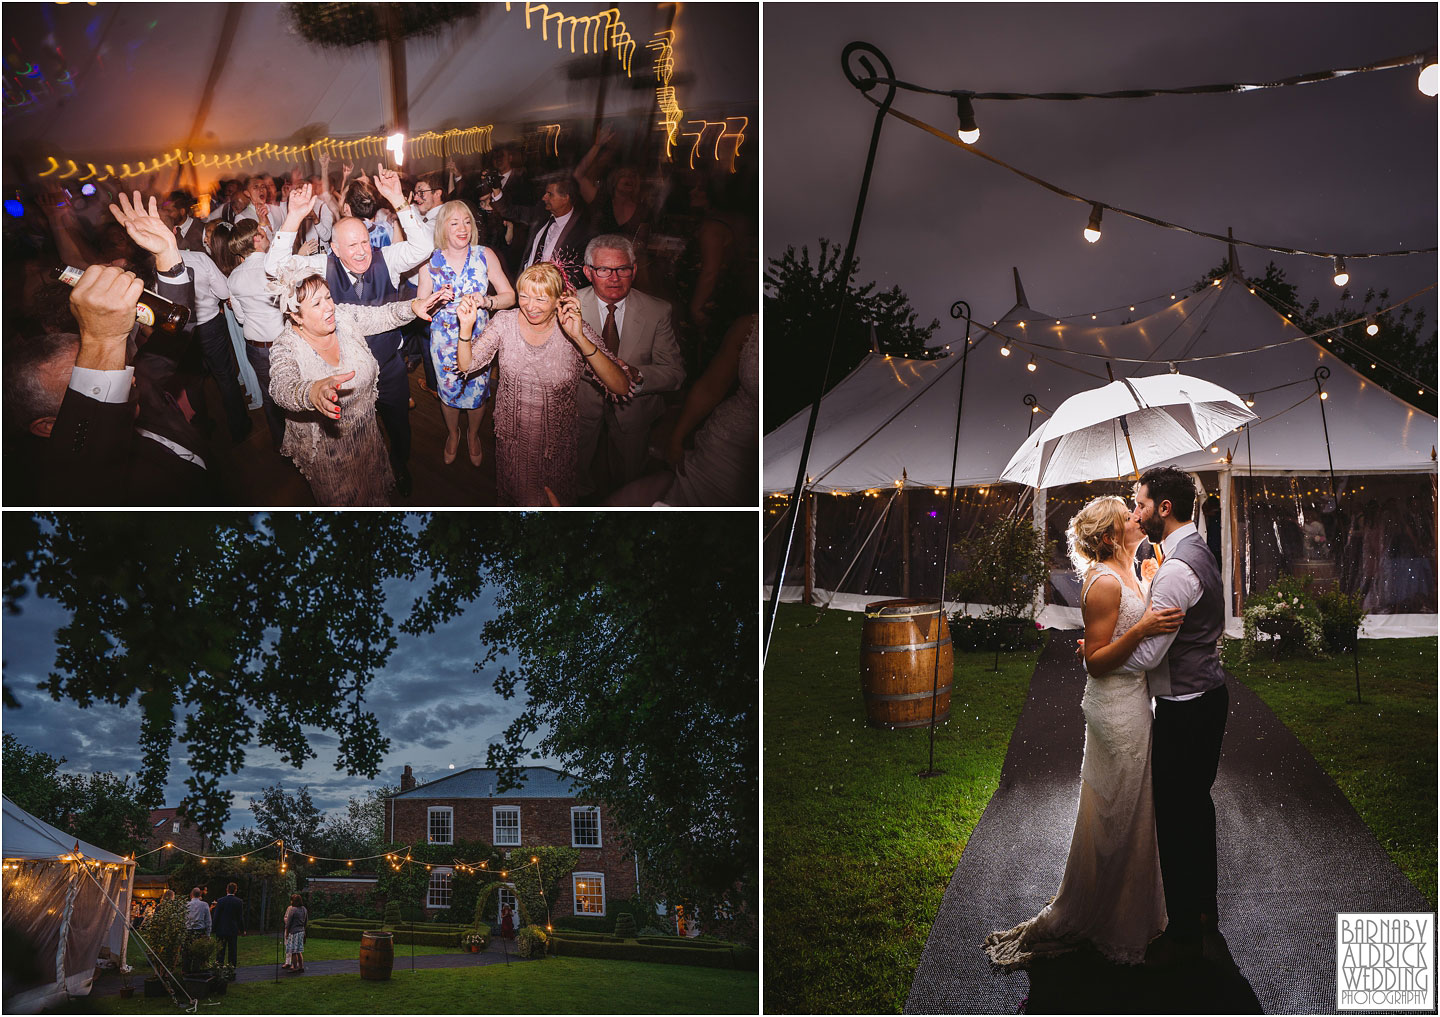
407 779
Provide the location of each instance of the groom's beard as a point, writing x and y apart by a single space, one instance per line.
1154 529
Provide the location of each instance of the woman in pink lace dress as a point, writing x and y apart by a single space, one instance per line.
544 350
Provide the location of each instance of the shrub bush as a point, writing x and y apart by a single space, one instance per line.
425 935
327 904
709 957
1004 565
1286 612
392 913
530 941
1340 618
977 634
624 925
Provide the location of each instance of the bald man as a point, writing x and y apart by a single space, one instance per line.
356 276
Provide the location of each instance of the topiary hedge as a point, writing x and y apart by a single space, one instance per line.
706 957
428 935
531 941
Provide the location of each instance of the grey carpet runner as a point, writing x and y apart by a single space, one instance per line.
1293 852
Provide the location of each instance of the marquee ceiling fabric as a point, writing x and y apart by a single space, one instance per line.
893 418
139 71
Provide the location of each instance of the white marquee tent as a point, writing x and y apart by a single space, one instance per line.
889 425
67 906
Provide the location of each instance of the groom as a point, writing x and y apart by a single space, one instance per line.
1191 704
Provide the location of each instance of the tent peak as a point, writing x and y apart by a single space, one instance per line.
1020 300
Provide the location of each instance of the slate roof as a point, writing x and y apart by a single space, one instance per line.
481 782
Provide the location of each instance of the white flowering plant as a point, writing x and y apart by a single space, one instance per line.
1288 613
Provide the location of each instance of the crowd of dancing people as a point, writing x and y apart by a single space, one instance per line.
600 316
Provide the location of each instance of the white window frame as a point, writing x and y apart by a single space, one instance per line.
429 823
495 825
575 879
588 810
431 888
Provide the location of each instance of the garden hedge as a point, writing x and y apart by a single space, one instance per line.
422 936
563 946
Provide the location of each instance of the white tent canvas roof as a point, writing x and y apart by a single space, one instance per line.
138 72
47 896
894 417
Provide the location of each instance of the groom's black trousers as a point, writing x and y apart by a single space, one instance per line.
1184 757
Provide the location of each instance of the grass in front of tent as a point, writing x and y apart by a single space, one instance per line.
858 849
1382 752
554 985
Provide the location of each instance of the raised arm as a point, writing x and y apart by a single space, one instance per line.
585 171
1101 610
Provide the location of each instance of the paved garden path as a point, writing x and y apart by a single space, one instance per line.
1293 852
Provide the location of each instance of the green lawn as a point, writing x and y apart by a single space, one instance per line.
1381 753
554 985
261 950
858 849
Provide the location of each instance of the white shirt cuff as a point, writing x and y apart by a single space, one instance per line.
103 386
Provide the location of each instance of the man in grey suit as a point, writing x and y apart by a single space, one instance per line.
635 327
1191 706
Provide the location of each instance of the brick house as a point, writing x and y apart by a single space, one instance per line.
543 811
169 826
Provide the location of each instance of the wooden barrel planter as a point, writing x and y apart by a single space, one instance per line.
377 956
898 645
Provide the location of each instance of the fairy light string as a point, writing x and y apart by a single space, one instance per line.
950 139
1313 77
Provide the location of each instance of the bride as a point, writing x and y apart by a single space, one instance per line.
1111 896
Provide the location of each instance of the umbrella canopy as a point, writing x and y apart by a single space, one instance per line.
1127 424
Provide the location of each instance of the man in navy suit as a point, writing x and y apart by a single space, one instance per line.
229 923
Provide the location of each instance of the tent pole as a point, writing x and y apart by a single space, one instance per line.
955 312
867 57
810 547
905 538
1321 373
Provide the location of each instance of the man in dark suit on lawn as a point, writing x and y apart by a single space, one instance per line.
229 921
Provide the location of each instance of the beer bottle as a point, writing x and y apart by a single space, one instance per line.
153 309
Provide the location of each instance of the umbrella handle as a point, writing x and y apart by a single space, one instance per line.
1125 430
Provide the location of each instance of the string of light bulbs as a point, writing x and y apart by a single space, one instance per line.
1426 84
1092 230
461 140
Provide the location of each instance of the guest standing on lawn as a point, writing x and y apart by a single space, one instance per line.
229 919
297 916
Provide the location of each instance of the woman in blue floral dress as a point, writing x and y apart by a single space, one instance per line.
467 268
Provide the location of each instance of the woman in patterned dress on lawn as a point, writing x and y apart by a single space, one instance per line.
465 267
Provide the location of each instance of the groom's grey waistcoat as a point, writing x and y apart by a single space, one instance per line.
1193 663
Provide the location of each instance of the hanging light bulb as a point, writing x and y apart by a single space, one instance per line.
1430 79
1372 327
1173 368
1032 365
968 132
1005 350
1250 399
1092 228
1324 395
1341 276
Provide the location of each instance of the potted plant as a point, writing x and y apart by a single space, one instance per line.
202 980
127 988
1005 566
164 932
1288 615
475 941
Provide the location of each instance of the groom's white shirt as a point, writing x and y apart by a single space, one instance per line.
1175 585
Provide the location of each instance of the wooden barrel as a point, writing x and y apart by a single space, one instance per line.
898 645
377 956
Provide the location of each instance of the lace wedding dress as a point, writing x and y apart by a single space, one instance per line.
1111 895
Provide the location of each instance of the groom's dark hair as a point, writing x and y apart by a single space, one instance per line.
1166 483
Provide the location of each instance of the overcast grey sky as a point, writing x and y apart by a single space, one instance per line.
1347 164
431 705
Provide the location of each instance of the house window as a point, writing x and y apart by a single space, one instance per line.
507 825
442 825
585 827
589 893
175 827
506 895
439 896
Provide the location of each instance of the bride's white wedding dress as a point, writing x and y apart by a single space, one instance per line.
1111 895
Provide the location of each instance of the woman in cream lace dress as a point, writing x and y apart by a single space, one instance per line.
323 375
1111 896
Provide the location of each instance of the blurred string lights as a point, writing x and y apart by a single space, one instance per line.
729 133
457 140
598 32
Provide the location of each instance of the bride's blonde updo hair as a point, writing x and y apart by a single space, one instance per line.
1088 528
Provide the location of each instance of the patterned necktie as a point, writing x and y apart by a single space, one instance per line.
540 244
360 289
610 335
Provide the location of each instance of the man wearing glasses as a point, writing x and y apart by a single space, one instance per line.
428 197
636 327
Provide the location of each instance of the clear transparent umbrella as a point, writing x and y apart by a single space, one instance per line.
1126 426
